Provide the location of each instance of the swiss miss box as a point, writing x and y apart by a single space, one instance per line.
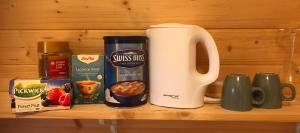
126 71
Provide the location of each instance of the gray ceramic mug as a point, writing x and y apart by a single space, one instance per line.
272 87
237 93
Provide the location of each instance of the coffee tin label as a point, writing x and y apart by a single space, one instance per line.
58 68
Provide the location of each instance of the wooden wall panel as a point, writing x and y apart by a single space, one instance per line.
241 51
84 23
139 14
137 126
33 129
8 72
236 46
246 33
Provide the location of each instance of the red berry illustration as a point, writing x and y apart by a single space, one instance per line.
54 95
64 99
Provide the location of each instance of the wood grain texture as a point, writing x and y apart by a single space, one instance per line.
156 130
214 130
241 51
235 46
139 14
8 72
209 112
84 23
32 129
132 126
148 124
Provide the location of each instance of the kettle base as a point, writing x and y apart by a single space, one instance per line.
178 107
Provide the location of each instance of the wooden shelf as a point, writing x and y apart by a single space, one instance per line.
290 112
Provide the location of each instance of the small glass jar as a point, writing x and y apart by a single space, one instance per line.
54 60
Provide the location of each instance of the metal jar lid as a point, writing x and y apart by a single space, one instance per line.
53 47
124 39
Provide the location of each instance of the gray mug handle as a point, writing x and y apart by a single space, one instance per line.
258 96
292 89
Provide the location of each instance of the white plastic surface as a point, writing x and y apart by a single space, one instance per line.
174 80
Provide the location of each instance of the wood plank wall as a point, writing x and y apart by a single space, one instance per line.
241 51
252 36
138 14
142 126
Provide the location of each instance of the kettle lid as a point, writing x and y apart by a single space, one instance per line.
171 25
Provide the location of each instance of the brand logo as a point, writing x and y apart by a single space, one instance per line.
28 92
128 58
172 96
88 58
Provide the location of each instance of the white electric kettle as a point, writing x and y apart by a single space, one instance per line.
174 80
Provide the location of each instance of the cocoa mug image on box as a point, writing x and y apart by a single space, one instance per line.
126 71
273 88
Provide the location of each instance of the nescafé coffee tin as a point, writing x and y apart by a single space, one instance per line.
126 70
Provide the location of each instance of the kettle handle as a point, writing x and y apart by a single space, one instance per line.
214 64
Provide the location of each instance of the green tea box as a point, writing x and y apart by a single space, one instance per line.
88 78
40 95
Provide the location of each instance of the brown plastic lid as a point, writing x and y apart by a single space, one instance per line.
53 47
